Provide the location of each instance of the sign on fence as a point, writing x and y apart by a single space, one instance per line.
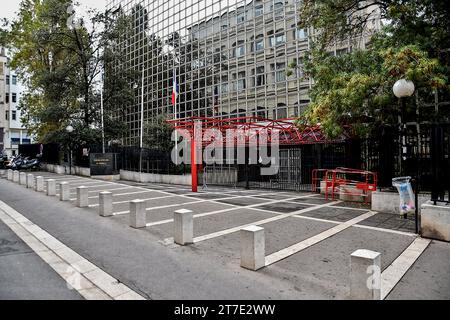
103 164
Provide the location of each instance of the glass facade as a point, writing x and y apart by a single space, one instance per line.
230 58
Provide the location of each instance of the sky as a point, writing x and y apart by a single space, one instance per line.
10 7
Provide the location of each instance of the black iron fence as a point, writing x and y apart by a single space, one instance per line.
422 152
50 153
133 158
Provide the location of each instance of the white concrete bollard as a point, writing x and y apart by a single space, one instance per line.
82 197
183 227
30 181
10 175
23 179
138 215
2 173
64 191
365 275
105 208
51 187
253 248
39 184
16 176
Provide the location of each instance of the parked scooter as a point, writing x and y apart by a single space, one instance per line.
14 163
3 160
28 164
21 163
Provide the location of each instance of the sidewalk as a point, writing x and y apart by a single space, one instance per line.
25 276
146 260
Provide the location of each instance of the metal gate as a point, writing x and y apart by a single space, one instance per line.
294 168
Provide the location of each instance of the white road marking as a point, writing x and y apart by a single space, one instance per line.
260 222
127 201
395 272
114 195
212 201
403 233
289 251
251 206
128 193
89 280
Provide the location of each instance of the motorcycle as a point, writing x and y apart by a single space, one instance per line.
31 163
14 163
24 163
3 160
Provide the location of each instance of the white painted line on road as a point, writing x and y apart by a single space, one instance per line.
90 281
127 201
128 193
236 207
114 195
403 233
161 207
289 251
395 272
258 223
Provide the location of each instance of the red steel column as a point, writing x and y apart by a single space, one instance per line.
194 164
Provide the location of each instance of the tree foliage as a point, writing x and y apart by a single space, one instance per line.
61 64
159 134
356 88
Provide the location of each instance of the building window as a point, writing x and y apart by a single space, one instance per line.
7 80
259 10
260 78
14 97
260 112
241 81
278 9
280 112
301 34
277 39
14 80
7 97
259 45
240 51
280 72
13 115
224 27
6 115
224 88
240 17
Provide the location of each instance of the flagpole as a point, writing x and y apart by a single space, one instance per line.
141 144
176 117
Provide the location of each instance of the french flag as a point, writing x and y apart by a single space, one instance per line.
175 88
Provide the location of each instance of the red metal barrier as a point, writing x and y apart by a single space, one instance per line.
349 184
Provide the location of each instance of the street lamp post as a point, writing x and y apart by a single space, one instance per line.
69 130
141 140
403 89
102 120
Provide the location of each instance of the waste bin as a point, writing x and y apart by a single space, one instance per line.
407 198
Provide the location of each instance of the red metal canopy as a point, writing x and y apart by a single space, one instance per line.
289 133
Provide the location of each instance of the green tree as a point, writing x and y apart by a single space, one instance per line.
356 88
61 65
159 134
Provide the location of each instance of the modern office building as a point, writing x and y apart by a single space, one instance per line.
12 132
229 58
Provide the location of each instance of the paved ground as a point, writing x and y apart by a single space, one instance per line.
319 234
24 275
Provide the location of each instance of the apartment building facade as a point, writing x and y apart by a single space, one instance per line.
12 132
229 58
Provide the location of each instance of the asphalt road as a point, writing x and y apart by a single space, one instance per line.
25 276
147 261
